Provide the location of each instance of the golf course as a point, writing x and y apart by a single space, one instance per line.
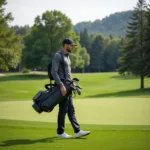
111 106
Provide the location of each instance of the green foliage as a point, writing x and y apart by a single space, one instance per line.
97 52
76 60
134 53
85 56
46 38
10 44
21 30
103 52
25 70
147 44
112 53
85 39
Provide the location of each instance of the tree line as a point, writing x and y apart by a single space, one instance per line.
33 47
104 52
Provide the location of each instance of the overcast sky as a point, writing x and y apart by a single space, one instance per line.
25 11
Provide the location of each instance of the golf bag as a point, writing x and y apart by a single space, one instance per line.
47 100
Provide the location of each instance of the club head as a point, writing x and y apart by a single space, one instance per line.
78 91
76 79
78 86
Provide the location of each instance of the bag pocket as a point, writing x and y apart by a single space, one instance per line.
41 95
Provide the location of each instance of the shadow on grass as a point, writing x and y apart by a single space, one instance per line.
124 77
138 92
26 141
23 77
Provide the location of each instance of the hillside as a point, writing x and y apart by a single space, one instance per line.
115 24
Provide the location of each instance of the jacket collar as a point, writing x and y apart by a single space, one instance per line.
66 54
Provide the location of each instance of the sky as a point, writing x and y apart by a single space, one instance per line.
25 11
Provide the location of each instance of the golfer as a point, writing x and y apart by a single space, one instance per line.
66 106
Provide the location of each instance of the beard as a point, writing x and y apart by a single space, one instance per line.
68 50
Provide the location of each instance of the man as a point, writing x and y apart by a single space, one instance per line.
66 106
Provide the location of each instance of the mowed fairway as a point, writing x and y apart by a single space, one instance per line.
25 86
112 107
104 111
22 135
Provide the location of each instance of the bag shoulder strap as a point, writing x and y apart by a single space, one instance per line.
63 64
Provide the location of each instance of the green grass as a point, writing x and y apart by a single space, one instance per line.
22 135
121 122
107 111
24 86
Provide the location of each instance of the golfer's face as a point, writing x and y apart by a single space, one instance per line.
69 48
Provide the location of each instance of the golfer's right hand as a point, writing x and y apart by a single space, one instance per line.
63 90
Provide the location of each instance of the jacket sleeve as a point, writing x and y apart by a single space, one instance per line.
55 66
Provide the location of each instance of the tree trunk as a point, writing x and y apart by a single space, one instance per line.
19 67
142 82
83 70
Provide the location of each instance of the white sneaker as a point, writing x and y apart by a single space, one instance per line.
64 135
81 133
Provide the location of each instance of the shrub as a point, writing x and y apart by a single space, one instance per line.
25 70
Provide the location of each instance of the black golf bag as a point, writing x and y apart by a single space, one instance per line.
47 100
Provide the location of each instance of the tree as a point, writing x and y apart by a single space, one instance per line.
133 50
46 38
113 53
96 53
76 58
147 44
85 57
85 40
10 44
106 52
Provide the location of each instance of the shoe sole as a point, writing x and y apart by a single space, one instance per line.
83 135
64 137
